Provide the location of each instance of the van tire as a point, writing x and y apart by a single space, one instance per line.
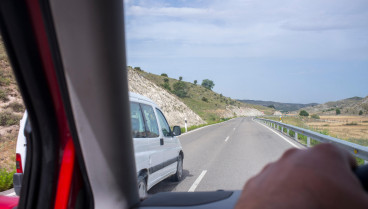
142 187
179 170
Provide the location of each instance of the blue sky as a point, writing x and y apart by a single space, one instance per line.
284 50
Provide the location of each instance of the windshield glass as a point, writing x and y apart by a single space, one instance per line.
223 64
243 81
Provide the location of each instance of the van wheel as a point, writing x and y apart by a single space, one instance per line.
142 187
179 170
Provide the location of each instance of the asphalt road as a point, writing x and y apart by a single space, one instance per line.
224 156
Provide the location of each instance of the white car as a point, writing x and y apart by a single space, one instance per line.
20 158
158 152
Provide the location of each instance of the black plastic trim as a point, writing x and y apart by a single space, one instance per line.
162 165
182 199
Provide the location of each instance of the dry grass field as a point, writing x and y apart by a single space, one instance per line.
352 128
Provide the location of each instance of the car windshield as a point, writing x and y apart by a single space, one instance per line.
222 64
220 89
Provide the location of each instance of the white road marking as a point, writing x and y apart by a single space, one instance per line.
10 194
287 140
205 127
227 138
234 129
199 179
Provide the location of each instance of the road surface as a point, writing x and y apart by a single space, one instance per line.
224 156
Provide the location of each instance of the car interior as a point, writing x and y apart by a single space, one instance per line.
69 59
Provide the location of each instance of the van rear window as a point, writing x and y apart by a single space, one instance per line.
151 121
138 127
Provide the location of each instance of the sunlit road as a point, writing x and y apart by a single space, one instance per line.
224 156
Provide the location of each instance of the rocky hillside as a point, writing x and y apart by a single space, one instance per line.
349 106
11 111
174 109
209 105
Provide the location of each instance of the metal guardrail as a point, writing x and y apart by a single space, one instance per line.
355 149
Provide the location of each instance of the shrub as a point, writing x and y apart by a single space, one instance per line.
4 81
195 82
137 68
204 99
166 80
8 119
6 180
164 75
16 106
315 116
3 96
180 78
180 89
208 84
365 107
338 111
166 85
352 123
360 112
303 113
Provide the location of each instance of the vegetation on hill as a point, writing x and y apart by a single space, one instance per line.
283 107
209 105
11 110
349 106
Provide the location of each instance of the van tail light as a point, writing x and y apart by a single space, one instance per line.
18 159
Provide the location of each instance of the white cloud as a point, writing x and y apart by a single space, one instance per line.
284 28
167 11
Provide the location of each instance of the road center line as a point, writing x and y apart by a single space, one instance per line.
197 181
227 138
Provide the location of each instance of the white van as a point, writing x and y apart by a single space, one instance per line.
158 152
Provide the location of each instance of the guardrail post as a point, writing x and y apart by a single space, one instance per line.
186 128
308 141
287 130
296 136
282 129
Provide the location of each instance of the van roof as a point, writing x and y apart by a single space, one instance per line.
141 98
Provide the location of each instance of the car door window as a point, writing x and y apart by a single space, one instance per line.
151 121
163 123
138 127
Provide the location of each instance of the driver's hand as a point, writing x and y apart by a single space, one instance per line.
319 177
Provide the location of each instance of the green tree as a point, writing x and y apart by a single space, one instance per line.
338 111
303 113
180 78
360 112
180 89
164 75
208 84
195 82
